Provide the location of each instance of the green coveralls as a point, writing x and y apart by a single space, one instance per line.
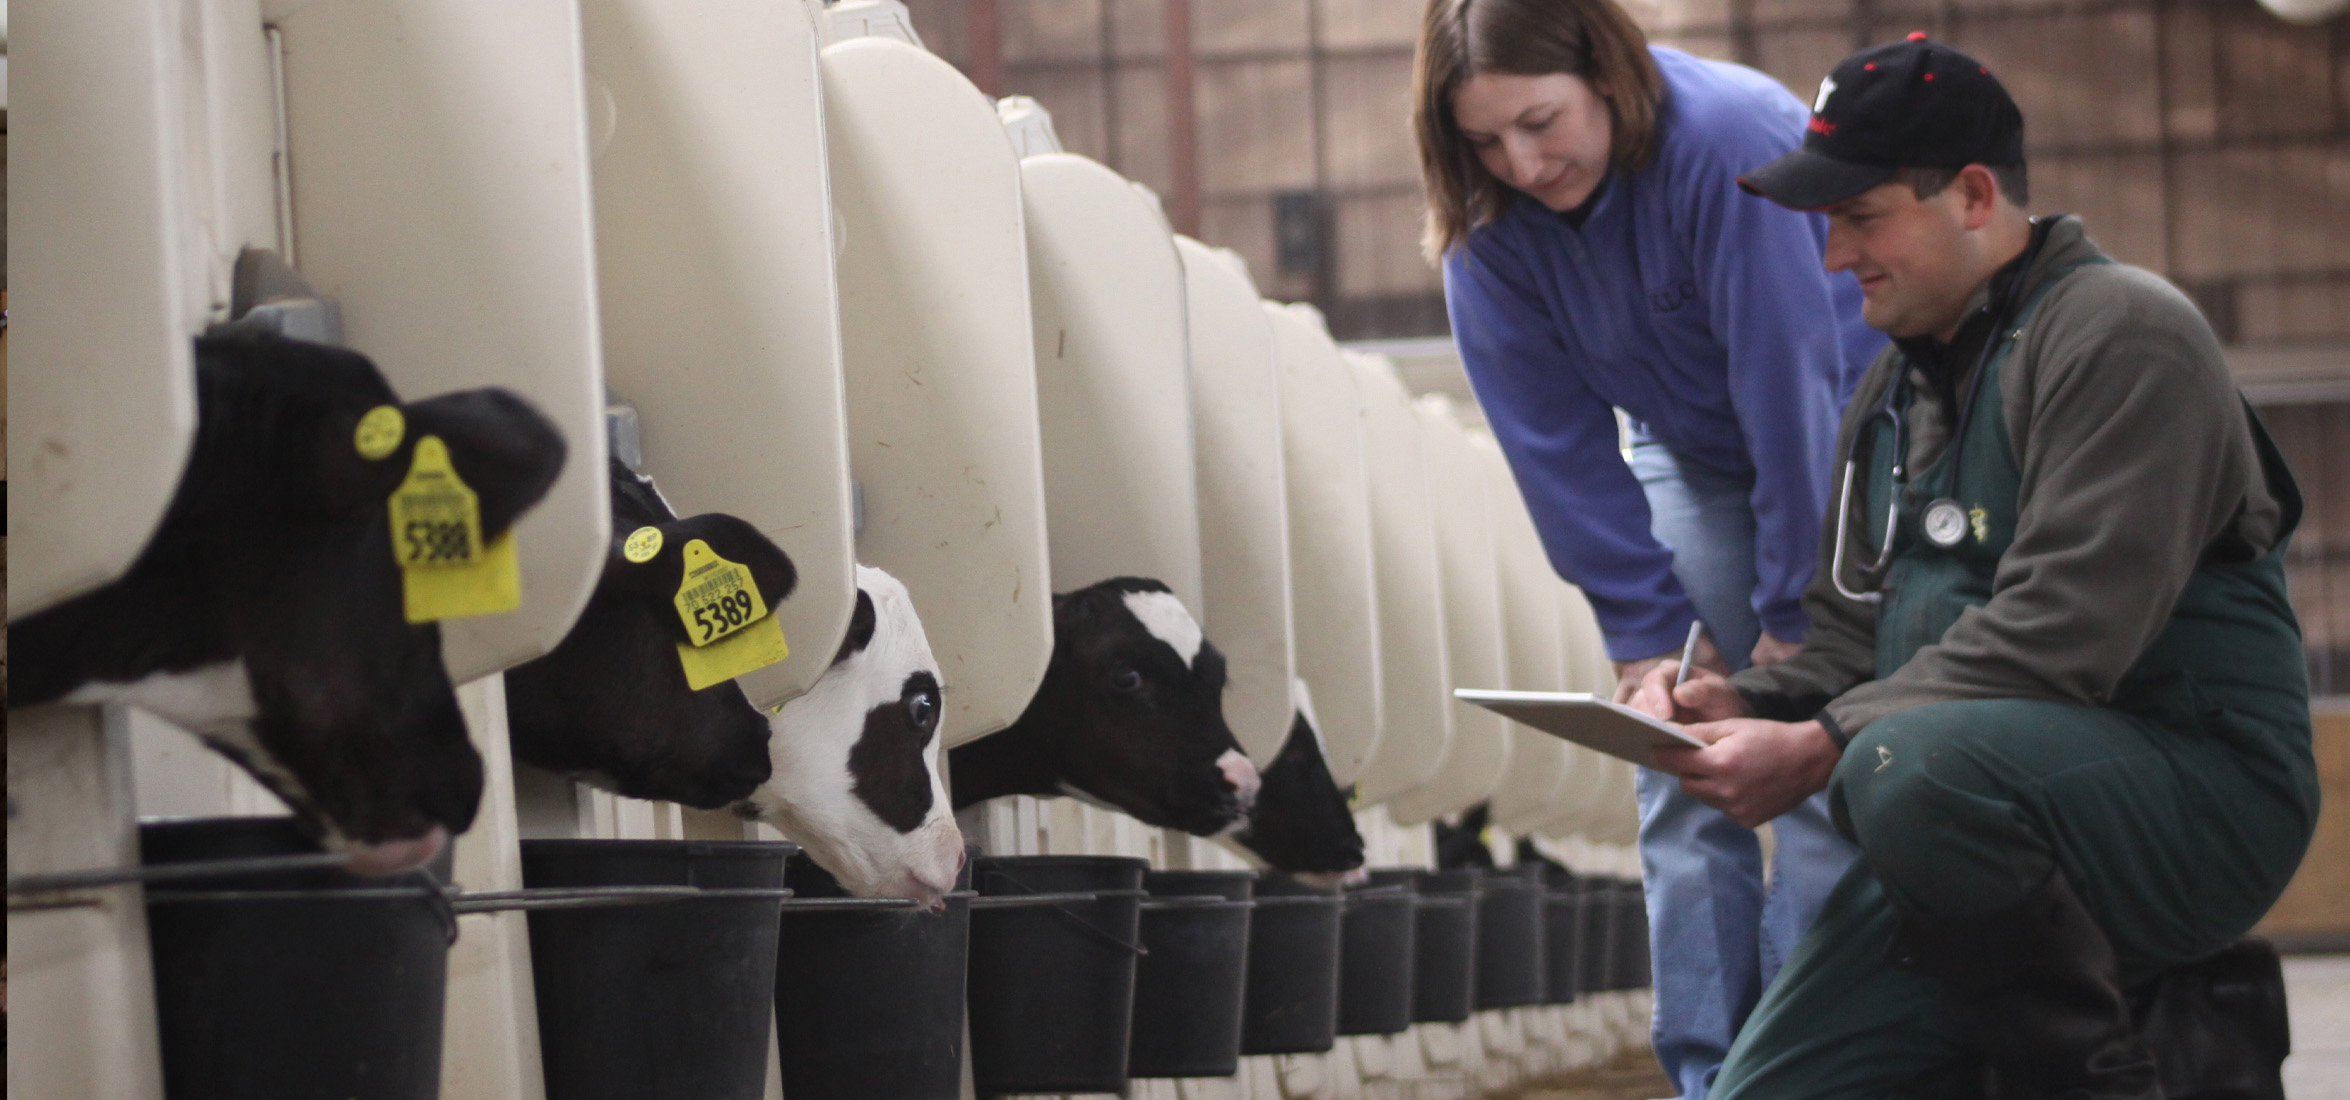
2178 811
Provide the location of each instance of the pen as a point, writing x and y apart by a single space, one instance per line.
1688 653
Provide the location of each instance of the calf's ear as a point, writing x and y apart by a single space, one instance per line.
655 577
504 450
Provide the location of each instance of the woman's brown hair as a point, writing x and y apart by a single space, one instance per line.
1592 39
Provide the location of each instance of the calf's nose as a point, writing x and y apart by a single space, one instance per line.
1242 776
394 856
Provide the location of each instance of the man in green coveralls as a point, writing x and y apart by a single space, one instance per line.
2053 685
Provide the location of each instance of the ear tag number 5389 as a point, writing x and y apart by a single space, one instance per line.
727 627
447 570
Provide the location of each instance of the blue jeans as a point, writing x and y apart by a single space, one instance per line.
1718 933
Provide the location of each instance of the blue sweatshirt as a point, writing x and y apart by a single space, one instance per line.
1700 311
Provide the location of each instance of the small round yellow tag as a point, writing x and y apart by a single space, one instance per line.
380 432
642 544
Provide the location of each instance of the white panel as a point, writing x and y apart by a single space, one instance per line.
109 291
941 368
83 980
1113 379
1243 507
440 185
1333 595
1536 657
714 254
1414 680
1582 796
490 1023
1472 623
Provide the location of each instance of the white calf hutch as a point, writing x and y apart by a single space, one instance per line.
756 337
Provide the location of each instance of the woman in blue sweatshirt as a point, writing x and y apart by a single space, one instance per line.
1598 256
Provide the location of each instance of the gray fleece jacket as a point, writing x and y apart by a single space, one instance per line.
2136 457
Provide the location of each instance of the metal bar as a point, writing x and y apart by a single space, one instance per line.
174 872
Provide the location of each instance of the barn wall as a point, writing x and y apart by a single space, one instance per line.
2203 139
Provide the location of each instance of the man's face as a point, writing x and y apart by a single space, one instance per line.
1915 258
1547 135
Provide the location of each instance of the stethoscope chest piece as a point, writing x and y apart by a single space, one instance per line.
1945 523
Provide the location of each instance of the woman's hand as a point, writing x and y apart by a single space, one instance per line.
1629 674
1706 697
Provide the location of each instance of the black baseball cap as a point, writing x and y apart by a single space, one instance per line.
1916 103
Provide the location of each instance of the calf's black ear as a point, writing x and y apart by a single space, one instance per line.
656 577
503 449
861 624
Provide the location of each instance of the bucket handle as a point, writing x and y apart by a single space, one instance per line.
1059 904
857 904
540 898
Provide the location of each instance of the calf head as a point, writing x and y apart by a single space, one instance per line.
1130 714
610 706
266 614
1301 823
1461 843
856 778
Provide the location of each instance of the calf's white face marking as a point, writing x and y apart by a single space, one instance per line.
1168 621
820 744
215 702
1244 779
206 700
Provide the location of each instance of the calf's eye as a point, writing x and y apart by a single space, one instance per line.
922 709
1126 679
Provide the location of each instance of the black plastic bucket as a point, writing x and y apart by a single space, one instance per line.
311 983
1444 966
869 1000
668 999
1188 989
1598 909
1292 1005
1510 969
1562 947
1632 960
1375 960
1053 948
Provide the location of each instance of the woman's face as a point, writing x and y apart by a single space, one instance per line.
1546 135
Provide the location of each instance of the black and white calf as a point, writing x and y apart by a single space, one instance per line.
266 614
610 706
1301 823
856 778
1130 715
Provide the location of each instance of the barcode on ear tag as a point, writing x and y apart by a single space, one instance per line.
728 630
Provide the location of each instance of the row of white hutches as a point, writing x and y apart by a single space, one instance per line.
845 308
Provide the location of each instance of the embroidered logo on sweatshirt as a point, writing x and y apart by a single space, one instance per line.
1668 299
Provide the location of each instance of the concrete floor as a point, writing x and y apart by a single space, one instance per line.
2317 990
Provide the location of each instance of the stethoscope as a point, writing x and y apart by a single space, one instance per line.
1944 522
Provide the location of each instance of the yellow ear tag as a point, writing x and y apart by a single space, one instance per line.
379 432
642 544
725 619
446 571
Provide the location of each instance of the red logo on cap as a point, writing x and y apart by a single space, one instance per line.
1822 126
1917 36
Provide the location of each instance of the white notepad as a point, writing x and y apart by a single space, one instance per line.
1585 719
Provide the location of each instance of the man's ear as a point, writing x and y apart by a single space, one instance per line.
1978 192
504 450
